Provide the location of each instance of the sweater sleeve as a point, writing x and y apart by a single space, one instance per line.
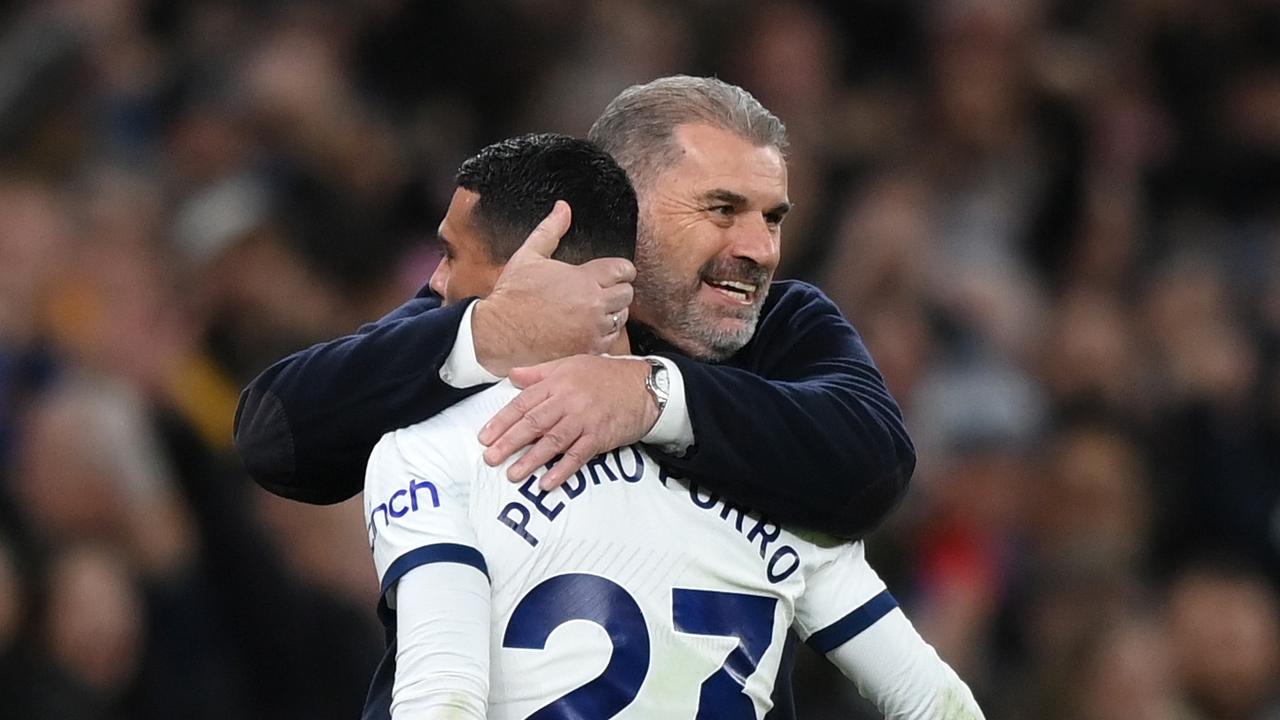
305 427
804 430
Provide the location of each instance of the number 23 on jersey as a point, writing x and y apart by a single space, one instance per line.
580 596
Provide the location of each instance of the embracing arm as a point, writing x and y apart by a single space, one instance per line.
800 426
306 425
805 430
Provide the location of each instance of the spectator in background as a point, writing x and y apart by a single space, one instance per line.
1224 625
16 607
91 487
1127 674
94 634
34 240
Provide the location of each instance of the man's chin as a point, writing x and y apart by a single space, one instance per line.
727 337
705 333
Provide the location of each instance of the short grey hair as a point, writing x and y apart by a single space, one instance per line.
637 128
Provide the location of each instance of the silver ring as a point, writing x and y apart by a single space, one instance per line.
614 329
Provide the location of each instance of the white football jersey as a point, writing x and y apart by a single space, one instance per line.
625 593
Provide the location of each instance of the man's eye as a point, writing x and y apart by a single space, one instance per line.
774 219
725 210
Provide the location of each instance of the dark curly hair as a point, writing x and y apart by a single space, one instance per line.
520 179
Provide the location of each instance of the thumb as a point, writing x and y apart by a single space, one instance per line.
523 377
545 238
609 271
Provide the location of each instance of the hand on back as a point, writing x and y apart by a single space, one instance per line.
577 407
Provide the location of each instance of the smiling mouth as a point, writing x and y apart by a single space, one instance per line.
740 292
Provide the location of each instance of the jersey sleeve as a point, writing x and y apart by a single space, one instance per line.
442 641
843 597
847 614
902 675
822 417
417 496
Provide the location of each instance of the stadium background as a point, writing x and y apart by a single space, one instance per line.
1055 222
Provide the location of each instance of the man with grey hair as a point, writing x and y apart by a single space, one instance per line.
675 109
759 391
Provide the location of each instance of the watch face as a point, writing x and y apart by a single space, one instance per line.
660 379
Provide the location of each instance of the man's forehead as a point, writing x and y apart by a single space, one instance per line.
715 161
458 218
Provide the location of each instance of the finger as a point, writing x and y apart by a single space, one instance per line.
617 298
554 443
545 238
525 377
610 271
539 422
574 458
511 413
609 328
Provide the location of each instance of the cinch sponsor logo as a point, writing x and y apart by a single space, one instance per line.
402 502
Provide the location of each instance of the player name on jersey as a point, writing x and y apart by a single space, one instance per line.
624 465
610 467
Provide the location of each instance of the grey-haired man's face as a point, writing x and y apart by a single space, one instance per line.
709 240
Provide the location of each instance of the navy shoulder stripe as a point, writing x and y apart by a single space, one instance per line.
851 625
440 552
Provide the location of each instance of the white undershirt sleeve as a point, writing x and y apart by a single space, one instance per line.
847 614
461 369
442 644
902 674
434 578
673 432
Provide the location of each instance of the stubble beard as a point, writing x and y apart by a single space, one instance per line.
676 314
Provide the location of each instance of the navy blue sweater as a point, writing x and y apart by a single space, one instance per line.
798 424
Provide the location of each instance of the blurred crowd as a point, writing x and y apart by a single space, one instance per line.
1055 222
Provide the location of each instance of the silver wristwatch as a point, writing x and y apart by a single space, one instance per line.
658 383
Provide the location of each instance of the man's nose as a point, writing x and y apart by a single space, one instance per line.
439 279
753 239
